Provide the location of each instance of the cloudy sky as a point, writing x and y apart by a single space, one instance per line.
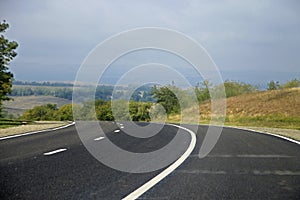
251 41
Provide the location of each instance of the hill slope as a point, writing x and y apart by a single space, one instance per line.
276 108
276 102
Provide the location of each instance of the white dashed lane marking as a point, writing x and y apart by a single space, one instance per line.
99 138
54 152
117 131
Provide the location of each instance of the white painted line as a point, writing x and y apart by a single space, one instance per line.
266 133
144 188
117 131
277 172
99 138
34 132
242 172
122 127
121 124
199 171
54 152
263 156
245 156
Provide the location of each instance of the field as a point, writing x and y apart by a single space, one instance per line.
22 103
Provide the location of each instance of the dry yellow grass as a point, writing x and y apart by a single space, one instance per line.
276 111
37 126
284 102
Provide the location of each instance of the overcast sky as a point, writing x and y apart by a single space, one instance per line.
252 41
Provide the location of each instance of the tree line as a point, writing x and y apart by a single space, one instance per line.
103 92
170 97
138 111
45 83
275 85
144 93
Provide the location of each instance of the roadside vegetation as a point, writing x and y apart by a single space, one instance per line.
7 123
278 106
7 54
273 108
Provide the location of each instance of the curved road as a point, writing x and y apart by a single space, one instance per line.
243 165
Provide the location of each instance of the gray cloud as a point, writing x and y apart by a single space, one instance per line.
239 35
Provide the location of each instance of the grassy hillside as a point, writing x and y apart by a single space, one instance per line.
21 104
276 108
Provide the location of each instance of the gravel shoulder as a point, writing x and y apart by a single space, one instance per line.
37 126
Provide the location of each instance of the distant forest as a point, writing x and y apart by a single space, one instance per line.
142 101
142 94
46 83
65 91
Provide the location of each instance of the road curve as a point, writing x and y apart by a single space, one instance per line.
243 165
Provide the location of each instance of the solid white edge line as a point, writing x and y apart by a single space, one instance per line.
144 188
34 132
54 152
266 133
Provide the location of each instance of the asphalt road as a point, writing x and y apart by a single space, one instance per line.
56 165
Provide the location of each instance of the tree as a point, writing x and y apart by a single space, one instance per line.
7 54
272 85
104 112
65 112
202 91
234 88
166 98
43 112
291 84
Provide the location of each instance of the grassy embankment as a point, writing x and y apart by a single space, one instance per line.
276 109
29 127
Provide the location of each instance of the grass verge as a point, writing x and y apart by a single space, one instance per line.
34 126
272 123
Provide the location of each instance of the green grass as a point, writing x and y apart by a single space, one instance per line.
275 121
270 120
6 123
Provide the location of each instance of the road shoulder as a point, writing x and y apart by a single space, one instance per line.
288 133
37 126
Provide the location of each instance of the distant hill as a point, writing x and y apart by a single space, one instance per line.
21 104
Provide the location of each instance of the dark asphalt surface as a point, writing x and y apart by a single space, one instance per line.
243 165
